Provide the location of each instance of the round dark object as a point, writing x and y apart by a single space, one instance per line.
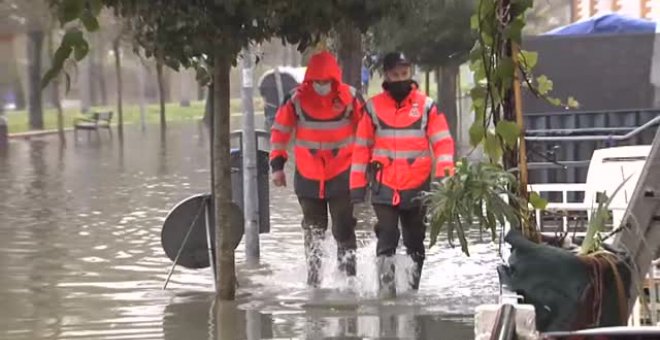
179 220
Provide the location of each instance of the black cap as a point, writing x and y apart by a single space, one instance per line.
393 59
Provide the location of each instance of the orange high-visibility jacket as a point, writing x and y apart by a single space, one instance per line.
324 132
397 142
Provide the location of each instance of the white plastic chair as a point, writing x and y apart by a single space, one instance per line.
608 168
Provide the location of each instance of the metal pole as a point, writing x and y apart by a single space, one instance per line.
183 244
253 325
249 141
209 244
278 86
505 324
143 120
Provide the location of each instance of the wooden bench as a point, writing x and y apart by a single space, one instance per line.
93 122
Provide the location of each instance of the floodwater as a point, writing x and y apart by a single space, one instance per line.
80 256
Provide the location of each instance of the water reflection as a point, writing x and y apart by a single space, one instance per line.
80 256
227 320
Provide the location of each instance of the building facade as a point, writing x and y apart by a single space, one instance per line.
643 9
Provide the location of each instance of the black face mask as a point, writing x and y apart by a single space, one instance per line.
399 90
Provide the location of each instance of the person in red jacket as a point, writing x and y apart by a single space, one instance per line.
324 112
401 139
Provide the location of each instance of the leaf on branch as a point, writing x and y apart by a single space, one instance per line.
95 6
553 101
518 7
89 20
514 30
545 85
493 147
75 39
477 132
478 92
529 59
61 54
476 54
474 22
537 201
509 132
70 10
572 103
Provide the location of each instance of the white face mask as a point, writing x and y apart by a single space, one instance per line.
322 89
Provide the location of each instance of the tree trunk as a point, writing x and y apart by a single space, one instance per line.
161 94
350 56
427 81
5 84
4 129
84 84
221 168
447 96
99 56
141 96
35 50
55 91
19 91
200 92
91 73
120 109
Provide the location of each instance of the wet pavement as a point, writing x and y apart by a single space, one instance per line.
80 256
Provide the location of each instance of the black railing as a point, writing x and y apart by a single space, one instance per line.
577 138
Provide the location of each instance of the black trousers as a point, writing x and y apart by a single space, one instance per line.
315 216
412 228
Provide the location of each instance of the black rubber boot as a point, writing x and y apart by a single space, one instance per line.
386 277
417 271
314 254
346 261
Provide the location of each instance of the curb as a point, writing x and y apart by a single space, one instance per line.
37 133
29 134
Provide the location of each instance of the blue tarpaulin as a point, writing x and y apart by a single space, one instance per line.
606 24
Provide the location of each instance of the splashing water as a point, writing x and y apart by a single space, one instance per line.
451 282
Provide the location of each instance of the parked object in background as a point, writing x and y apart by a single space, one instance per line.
290 77
93 122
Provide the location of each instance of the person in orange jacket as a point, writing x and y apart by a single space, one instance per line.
393 156
324 112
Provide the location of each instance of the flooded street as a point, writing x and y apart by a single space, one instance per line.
80 256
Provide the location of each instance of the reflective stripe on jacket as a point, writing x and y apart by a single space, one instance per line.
402 144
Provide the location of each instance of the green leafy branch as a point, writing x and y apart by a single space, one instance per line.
499 23
541 86
74 15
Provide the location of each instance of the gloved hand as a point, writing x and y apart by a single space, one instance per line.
279 178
